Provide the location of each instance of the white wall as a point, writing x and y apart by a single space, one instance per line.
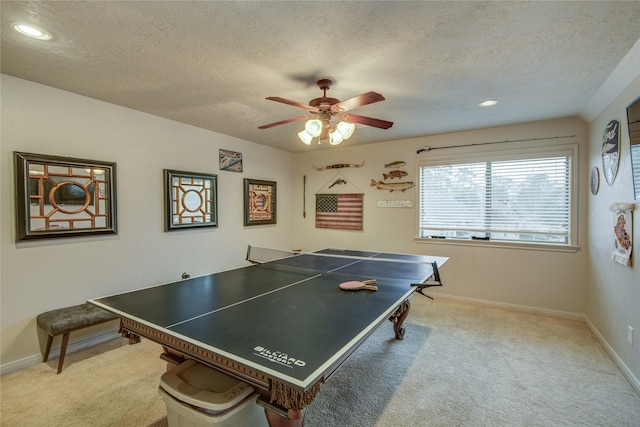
41 275
36 276
613 290
542 281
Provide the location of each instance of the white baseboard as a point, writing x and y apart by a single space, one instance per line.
635 383
514 307
72 347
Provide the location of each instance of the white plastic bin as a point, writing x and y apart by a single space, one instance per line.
199 396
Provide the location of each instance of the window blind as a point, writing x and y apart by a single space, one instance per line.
635 162
517 200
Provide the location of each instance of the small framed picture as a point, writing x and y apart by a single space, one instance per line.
259 202
64 197
191 200
230 160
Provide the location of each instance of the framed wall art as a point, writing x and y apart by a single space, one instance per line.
64 197
259 202
191 200
229 160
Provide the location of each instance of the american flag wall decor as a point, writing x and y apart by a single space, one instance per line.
339 211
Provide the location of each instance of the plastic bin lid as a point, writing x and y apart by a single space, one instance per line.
204 387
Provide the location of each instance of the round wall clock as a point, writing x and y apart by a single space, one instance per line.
611 150
595 180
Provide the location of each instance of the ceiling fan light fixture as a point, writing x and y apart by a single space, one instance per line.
346 129
335 137
305 137
313 127
326 118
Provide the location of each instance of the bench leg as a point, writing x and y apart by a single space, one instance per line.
47 349
63 351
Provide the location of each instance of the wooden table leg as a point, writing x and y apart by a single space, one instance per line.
397 318
133 338
296 418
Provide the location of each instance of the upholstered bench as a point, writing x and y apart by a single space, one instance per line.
65 320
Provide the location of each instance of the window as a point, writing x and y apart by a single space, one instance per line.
517 196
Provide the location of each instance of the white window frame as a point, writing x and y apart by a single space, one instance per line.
515 153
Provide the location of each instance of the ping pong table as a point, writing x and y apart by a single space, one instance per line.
283 326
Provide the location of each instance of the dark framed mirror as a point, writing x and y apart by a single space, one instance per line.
191 200
633 121
64 197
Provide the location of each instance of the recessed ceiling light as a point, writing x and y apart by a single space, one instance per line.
488 103
30 31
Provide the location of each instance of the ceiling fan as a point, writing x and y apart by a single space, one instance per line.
324 108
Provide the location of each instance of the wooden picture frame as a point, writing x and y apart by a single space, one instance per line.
63 197
191 200
260 205
229 160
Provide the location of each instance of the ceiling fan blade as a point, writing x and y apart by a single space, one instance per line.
357 101
281 122
294 103
368 121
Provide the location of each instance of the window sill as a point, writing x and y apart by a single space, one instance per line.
499 244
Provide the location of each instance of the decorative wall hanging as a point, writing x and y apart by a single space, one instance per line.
230 160
339 184
594 180
611 151
339 205
191 200
428 148
304 196
339 211
623 232
395 203
64 197
392 186
259 202
395 165
338 181
399 174
339 166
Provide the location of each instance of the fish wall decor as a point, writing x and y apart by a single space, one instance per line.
395 165
395 174
392 186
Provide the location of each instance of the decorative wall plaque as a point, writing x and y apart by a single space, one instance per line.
611 151
594 180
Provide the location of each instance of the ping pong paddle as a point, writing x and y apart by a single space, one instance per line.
356 285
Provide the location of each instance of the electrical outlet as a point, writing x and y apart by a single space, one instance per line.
630 335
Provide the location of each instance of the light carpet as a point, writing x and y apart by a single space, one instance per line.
459 365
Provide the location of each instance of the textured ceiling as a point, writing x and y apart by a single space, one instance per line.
212 64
